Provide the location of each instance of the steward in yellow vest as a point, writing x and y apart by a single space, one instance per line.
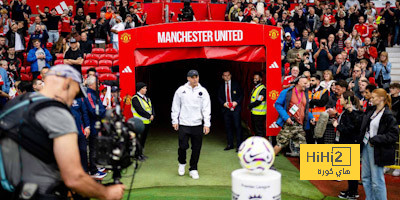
258 106
142 109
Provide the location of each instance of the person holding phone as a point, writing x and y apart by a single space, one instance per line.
191 115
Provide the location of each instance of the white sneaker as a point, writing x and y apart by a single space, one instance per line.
181 169
396 172
194 174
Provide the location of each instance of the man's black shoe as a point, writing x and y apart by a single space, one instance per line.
228 148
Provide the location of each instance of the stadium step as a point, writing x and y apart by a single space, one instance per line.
394 58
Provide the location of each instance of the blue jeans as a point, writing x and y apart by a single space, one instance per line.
53 36
373 178
396 35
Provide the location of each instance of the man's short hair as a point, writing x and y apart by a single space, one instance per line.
92 69
259 74
395 85
370 87
316 76
36 40
364 61
342 83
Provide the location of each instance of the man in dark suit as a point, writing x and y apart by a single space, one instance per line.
230 96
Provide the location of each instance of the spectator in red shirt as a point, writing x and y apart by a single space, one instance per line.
287 81
370 51
328 14
65 24
371 25
362 28
91 6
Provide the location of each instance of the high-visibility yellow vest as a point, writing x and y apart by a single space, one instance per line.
146 106
255 95
316 112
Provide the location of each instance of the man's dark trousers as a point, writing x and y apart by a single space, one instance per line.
195 133
232 124
258 124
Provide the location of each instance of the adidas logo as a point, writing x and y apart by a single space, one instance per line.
273 125
274 65
127 70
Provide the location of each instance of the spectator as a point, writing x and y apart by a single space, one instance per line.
359 57
52 24
37 85
355 39
304 37
323 56
3 46
74 56
39 34
341 68
124 9
38 21
294 55
327 80
65 24
60 46
14 4
5 88
396 40
348 125
370 51
362 85
354 80
382 70
129 23
333 46
306 64
384 31
260 6
365 70
89 28
292 30
352 3
371 25
388 14
79 19
100 33
328 15
287 81
300 21
79 4
136 18
325 30
46 12
39 58
5 22
107 5
13 60
350 52
85 45
394 92
43 73
233 13
288 42
115 29
313 20
380 132
341 27
91 6
16 39
23 11
362 28
310 46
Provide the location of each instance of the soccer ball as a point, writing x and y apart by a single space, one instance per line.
256 154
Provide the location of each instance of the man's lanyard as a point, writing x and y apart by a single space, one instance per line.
297 94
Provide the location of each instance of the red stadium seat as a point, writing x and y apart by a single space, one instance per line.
116 57
107 77
105 63
115 62
92 57
109 45
59 56
49 45
106 57
84 70
57 62
27 69
111 51
103 69
98 51
26 77
22 70
90 62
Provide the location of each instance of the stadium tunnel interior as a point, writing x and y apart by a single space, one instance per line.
165 78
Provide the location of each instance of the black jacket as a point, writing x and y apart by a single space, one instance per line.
236 95
139 109
11 38
100 31
384 142
349 126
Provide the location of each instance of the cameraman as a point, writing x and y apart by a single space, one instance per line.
57 134
187 12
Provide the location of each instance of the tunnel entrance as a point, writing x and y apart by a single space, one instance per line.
165 78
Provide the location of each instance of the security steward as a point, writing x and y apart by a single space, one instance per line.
39 144
319 98
258 105
191 117
142 109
